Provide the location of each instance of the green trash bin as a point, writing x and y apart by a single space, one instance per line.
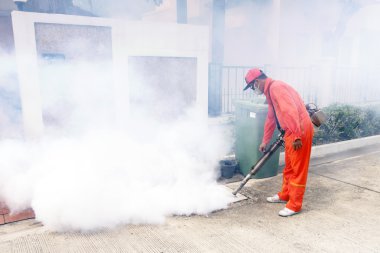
250 117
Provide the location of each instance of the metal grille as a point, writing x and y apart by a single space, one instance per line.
318 84
232 86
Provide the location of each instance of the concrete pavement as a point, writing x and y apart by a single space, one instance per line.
340 214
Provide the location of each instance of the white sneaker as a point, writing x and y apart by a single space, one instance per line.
275 199
287 212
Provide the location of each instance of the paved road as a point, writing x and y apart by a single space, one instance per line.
341 214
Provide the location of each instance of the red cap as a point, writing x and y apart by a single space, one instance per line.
251 75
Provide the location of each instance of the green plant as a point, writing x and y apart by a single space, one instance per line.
346 122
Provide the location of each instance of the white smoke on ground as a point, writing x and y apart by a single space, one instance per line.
89 173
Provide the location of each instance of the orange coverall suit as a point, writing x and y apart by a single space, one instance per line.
294 119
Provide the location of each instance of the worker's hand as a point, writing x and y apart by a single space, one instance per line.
297 144
262 147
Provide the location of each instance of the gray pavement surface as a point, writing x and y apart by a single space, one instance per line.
341 213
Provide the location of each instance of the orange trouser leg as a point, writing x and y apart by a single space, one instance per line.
296 169
286 174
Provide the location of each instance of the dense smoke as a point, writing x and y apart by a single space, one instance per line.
88 172
10 108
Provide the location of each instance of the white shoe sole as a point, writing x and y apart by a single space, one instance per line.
287 215
275 201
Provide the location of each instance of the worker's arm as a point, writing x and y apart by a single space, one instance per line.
270 124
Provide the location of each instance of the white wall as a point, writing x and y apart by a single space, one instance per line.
128 39
6 5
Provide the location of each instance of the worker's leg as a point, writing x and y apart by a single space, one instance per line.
287 172
300 164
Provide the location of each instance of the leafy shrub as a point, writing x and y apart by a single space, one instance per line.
346 122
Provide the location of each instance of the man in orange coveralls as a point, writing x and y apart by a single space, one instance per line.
294 119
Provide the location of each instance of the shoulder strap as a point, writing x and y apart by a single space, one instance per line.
275 116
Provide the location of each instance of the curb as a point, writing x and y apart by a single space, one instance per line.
7 217
322 150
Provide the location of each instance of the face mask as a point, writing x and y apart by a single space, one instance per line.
257 90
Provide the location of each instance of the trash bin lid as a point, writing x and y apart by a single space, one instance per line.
256 105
